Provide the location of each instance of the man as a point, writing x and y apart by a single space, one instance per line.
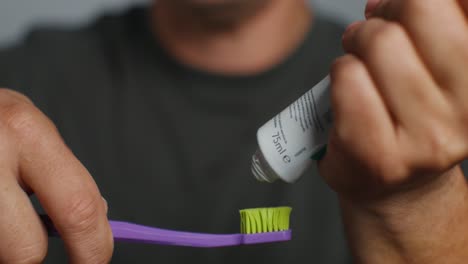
162 109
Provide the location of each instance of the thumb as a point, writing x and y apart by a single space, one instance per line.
371 6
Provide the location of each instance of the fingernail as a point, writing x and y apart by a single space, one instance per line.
370 7
106 206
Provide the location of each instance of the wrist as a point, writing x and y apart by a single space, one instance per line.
425 223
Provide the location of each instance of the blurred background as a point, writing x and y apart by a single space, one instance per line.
16 16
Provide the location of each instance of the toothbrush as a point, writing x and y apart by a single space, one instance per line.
258 225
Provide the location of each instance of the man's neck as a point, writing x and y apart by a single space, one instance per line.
232 44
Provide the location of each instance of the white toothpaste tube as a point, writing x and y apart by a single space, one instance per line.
288 143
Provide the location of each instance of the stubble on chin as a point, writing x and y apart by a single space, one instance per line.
219 14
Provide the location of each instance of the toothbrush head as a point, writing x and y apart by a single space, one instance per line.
263 220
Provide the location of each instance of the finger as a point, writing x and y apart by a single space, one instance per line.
376 8
427 131
363 128
403 81
358 107
464 5
23 238
439 31
371 6
71 198
62 184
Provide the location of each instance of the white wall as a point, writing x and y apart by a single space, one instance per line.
16 16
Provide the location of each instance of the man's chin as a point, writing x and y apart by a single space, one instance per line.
208 3
220 5
222 9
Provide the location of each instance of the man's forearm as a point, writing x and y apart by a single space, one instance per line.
430 226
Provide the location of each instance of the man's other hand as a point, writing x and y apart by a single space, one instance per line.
34 159
401 129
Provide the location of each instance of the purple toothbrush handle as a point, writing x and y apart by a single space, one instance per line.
129 232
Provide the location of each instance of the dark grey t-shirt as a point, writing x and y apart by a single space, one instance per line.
170 146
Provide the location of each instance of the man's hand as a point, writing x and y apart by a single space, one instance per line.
401 129
34 159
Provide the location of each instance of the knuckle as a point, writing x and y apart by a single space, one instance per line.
458 40
394 175
342 136
8 94
438 144
19 117
463 117
347 68
84 229
441 161
347 74
101 255
388 170
463 48
383 164
99 250
387 36
108 250
414 8
81 215
31 253
458 99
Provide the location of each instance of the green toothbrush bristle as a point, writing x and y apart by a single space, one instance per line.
260 220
